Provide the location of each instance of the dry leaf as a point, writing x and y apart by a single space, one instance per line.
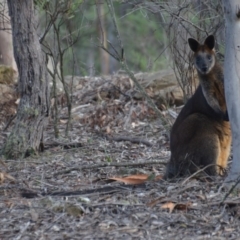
4 176
133 116
201 196
34 215
169 205
63 121
133 179
129 180
159 177
180 206
131 82
9 177
17 101
108 130
9 204
3 163
52 102
136 179
138 176
103 118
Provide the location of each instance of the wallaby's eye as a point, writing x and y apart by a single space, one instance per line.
209 57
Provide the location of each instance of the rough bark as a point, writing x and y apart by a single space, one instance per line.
33 110
232 78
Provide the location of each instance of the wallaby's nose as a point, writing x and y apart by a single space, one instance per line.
204 68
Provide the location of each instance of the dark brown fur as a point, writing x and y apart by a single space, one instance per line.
201 134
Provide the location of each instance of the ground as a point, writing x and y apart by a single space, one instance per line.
66 192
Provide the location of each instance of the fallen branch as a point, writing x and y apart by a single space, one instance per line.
67 145
124 138
103 190
126 164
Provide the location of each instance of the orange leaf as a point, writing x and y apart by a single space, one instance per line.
180 206
4 176
133 179
140 176
169 205
136 179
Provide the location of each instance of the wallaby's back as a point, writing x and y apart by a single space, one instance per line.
201 134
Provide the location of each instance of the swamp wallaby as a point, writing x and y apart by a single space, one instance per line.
201 134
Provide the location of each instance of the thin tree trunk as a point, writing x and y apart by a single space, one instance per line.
102 32
232 78
33 110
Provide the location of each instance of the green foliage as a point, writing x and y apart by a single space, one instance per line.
145 35
40 4
108 159
142 39
140 33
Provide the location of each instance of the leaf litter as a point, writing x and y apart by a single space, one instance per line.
67 192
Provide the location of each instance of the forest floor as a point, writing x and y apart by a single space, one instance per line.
68 191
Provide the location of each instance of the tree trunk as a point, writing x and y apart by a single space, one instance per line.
33 110
102 33
232 78
6 48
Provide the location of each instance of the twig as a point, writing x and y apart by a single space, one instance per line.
9 122
51 225
231 189
101 165
23 229
194 174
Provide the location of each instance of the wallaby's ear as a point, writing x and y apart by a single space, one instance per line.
210 42
194 44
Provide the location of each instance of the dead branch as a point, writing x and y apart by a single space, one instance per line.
67 145
124 138
29 193
101 165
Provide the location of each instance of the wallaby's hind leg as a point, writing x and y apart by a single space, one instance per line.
210 153
196 147
198 154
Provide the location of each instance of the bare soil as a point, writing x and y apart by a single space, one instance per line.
66 191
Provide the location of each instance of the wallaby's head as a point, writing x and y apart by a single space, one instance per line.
204 54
